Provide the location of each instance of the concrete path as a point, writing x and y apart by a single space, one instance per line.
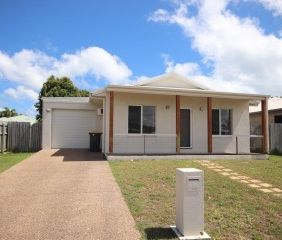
253 183
63 194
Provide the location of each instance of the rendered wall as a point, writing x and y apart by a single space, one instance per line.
240 127
164 141
161 142
47 117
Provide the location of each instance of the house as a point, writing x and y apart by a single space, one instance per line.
274 114
18 118
168 114
275 125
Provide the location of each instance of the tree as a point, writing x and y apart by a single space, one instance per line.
57 87
8 112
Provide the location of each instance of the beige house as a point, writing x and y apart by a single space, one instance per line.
165 115
275 125
274 114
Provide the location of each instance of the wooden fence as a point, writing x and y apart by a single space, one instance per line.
20 137
275 137
3 137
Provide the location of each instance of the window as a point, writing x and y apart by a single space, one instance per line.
278 119
149 119
215 121
185 128
134 119
221 121
142 119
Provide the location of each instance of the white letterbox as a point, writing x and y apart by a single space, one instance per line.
190 204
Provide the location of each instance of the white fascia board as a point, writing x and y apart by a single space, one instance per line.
66 99
99 93
184 92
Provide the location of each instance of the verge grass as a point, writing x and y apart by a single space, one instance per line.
7 160
232 210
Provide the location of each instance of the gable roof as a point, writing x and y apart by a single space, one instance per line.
172 80
19 118
174 84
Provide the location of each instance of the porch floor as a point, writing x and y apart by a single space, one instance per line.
188 156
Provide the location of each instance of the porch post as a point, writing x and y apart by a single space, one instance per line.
209 111
264 125
111 122
177 123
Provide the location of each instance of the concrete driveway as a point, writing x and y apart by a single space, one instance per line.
63 194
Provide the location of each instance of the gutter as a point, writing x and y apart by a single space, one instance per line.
184 92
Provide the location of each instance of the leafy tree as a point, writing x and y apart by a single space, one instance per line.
57 87
8 112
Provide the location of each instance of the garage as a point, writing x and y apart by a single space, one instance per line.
71 127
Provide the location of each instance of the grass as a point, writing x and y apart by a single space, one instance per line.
232 210
269 171
7 160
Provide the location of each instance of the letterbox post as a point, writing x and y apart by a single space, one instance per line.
190 204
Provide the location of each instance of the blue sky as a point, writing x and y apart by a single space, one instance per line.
237 46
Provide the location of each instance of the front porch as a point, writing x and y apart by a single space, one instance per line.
202 139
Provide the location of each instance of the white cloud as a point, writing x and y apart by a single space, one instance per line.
241 54
272 5
94 61
31 112
27 67
185 69
192 71
30 68
21 92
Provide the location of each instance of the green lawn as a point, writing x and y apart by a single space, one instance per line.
232 210
269 171
7 160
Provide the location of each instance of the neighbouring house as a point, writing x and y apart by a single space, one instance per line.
168 114
275 123
274 114
19 118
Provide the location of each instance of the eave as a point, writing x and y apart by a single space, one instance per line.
184 92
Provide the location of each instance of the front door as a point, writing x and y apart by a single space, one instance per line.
185 128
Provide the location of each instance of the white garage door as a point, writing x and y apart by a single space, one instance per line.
70 128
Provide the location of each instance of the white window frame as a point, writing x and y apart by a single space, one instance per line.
141 125
219 122
191 128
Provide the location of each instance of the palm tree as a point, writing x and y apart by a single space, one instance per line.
8 112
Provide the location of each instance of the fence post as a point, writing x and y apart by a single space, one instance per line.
144 145
237 145
2 137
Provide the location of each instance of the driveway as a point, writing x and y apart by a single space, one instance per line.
63 194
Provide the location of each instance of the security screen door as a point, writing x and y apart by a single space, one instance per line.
185 128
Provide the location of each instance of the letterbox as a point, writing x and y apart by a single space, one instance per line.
190 204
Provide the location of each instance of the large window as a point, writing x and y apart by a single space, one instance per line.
221 121
142 119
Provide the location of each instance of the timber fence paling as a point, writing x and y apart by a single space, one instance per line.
18 136
276 136
24 137
35 140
